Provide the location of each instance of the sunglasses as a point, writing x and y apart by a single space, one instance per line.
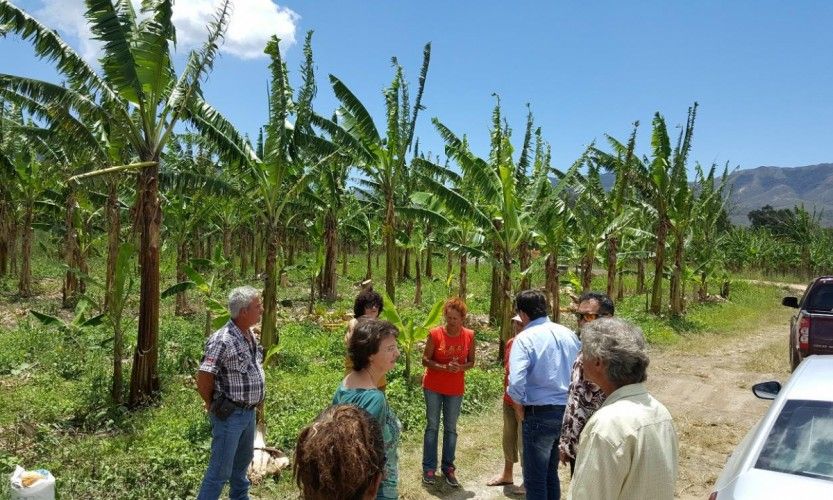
586 316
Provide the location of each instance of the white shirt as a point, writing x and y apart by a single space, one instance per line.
628 450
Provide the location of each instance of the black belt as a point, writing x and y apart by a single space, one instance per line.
533 409
245 406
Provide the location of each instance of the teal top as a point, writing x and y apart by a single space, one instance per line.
373 401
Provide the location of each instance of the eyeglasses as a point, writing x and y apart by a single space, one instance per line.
586 316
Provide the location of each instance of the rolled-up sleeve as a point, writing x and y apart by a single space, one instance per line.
518 365
213 357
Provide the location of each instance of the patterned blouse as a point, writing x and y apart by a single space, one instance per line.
584 399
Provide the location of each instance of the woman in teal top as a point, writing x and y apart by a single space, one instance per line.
372 349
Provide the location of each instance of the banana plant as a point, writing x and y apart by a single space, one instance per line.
216 314
410 332
72 330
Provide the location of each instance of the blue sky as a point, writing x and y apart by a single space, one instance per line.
761 70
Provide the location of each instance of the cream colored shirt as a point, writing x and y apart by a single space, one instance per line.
628 450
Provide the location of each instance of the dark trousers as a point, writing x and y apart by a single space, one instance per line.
541 430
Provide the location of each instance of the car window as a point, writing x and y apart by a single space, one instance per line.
821 298
801 441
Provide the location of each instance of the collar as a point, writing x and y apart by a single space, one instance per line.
537 321
626 391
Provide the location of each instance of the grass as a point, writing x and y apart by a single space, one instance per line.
54 410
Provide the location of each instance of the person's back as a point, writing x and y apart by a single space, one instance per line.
546 352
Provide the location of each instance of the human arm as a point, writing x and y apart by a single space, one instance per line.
428 354
205 386
519 363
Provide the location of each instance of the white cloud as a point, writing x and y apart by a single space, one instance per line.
251 24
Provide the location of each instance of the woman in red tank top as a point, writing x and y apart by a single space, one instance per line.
449 352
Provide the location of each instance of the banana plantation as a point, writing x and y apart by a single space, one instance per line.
132 165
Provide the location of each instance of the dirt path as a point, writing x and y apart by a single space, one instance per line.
705 383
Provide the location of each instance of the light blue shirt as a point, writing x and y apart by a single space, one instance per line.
540 363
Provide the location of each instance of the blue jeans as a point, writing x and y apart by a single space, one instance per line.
232 448
541 431
450 407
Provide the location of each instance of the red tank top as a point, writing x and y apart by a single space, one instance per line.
446 349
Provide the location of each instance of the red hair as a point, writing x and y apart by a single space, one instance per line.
457 304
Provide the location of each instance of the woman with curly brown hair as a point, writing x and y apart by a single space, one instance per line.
373 351
449 352
340 456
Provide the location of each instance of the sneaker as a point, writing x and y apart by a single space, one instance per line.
428 477
451 478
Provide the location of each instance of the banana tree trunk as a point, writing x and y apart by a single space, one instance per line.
144 380
245 241
612 257
345 258
620 288
494 298
449 265
587 270
505 319
227 242
463 291
4 237
328 280
13 257
524 258
369 271
429 268
256 246
703 290
24 284
640 276
268 332
677 306
182 308
552 286
113 230
418 278
390 250
71 287
659 267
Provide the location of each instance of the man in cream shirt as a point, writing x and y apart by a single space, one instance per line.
628 449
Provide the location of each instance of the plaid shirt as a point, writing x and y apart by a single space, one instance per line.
584 399
237 365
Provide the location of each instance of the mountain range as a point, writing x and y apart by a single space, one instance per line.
780 187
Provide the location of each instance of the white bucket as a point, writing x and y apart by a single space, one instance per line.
42 489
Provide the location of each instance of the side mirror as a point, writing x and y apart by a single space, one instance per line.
766 390
790 302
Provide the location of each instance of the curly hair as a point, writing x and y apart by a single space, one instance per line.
365 299
366 338
340 455
456 304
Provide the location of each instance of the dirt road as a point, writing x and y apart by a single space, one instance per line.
705 383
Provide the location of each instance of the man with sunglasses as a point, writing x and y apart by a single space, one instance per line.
584 397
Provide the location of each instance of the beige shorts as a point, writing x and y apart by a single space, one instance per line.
511 435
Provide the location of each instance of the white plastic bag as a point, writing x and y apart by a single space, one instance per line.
43 488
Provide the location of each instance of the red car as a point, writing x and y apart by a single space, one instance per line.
811 329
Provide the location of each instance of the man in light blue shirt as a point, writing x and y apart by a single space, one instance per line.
540 363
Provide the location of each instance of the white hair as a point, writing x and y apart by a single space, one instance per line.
621 345
240 298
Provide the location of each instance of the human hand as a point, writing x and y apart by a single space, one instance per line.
563 457
519 412
453 367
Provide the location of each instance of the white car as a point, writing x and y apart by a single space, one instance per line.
789 453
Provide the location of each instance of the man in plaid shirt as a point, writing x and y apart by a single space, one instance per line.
231 382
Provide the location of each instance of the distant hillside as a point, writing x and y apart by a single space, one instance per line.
781 187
